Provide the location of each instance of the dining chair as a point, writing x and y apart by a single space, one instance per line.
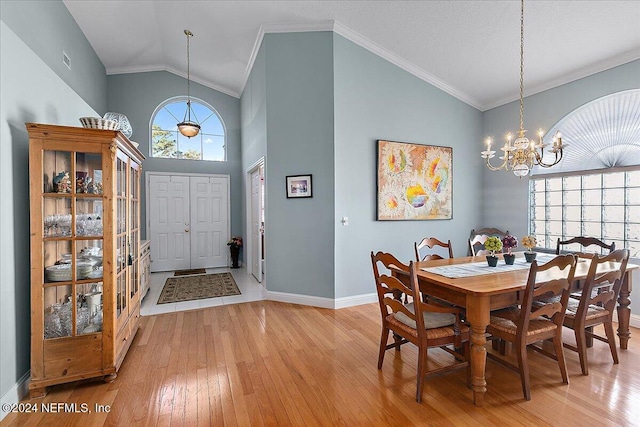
530 323
485 231
431 243
476 245
425 325
596 305
584 242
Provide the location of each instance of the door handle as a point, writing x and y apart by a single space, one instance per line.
186 230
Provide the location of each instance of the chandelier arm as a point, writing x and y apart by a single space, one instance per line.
504 165
548 165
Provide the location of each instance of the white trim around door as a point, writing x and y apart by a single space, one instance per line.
188 220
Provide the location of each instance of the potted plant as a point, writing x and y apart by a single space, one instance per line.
529 242
493 244
509 242
234 246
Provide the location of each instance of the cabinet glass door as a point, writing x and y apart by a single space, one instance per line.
72 235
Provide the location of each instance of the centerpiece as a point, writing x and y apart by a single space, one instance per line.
234 247
529 242
509 242
493 244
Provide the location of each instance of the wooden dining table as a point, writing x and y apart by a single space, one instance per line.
482 293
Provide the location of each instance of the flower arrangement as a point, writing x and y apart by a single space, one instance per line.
529 242
235 242
493 244
509 242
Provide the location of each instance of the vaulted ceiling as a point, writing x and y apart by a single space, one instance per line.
470 49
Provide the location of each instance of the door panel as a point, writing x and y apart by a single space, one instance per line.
209 221
168 213
256 224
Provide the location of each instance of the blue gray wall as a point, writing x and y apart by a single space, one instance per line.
299 110
374 99
34 89
543 110
137 96
48 28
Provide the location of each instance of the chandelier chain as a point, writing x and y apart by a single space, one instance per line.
522 155
522 67
189 35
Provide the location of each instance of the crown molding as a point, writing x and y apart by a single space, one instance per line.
280 28
407 66
622 59
151 68
361 41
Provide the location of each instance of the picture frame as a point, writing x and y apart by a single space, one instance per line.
299 186
414 181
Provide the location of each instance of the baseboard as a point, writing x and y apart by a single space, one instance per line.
300 299
15 393
352 301
634 322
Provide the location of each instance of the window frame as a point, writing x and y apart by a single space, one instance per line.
194 100
547 240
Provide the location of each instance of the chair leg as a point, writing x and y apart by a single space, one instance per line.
557 343
590 337
581 344
422 366
611 337
523 364
383 344
467 355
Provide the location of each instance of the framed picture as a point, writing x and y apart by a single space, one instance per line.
414 181
298 186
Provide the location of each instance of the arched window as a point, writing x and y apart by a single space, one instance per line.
168 143
595 190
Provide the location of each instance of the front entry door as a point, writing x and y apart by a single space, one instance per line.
188 220
209 221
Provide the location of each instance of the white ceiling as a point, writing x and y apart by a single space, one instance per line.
470 49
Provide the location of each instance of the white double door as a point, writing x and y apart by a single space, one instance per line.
188 217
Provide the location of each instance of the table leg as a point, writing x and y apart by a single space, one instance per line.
478 315
624 312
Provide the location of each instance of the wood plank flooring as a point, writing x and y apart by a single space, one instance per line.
269 363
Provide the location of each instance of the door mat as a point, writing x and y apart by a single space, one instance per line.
187 272
178 289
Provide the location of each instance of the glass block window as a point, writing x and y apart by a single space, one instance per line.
167 142
603 205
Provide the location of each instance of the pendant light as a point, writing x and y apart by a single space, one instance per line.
188 127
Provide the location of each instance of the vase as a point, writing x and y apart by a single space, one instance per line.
235 253
530 256
509 259
492 260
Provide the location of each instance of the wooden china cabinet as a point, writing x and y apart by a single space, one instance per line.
85 239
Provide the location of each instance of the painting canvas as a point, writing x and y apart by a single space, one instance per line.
414 181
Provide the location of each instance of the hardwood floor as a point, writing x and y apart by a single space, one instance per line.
270 363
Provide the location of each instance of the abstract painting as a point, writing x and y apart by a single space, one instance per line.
414 181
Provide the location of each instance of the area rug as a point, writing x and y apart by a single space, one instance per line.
187 272
187 288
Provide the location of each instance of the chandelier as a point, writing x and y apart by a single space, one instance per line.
521 155
187 127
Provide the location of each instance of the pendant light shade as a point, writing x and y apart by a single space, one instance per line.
188 127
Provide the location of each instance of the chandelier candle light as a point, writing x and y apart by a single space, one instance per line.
521 155
187 127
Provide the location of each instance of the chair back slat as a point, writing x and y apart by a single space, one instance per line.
487 232
584 242
603 288
560 272
431 243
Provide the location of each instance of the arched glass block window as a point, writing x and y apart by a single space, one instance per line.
168 143
595 190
